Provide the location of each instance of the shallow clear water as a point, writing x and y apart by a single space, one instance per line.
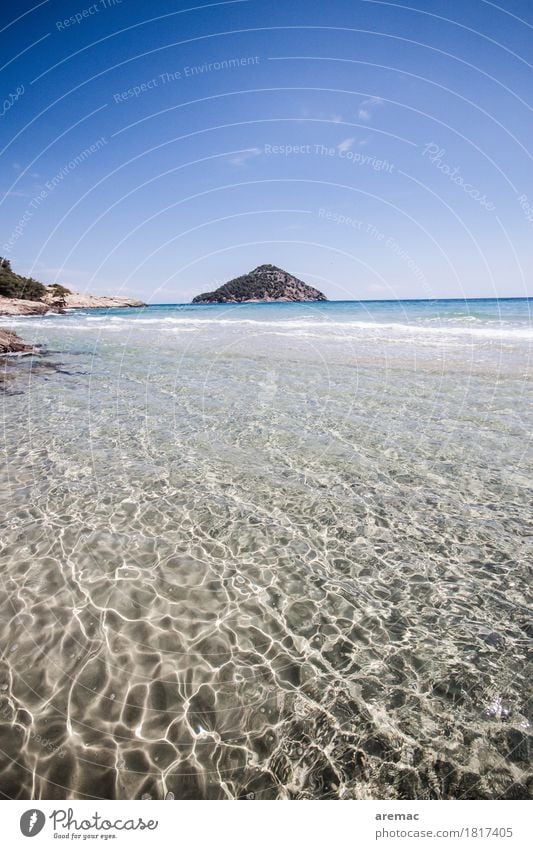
272 551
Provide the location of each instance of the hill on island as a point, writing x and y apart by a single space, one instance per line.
265 283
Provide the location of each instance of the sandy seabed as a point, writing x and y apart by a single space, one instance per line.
266 555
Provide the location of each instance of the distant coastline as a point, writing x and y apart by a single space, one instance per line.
331 301
25 296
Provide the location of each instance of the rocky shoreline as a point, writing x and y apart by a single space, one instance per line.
78 301
11 343
17 306
70 301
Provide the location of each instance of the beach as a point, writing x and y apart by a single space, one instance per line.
272 551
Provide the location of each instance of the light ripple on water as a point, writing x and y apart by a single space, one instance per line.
233 569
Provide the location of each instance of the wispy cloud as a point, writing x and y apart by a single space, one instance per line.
17 195
244 156
333 117
345 145
367 108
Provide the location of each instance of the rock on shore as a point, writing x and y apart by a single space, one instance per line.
77 300
18 306
74 300
10 343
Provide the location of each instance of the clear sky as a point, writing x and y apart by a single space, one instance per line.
374 149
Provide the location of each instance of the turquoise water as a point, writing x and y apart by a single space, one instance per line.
268 551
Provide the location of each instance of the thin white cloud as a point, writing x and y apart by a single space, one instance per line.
333 117
367 107
17 195
345 145
244 156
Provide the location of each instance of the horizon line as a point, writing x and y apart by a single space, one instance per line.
340 301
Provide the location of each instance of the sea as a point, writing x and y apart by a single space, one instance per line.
268 551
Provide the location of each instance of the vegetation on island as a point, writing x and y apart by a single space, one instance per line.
264 283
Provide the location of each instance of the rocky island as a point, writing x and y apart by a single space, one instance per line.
264 284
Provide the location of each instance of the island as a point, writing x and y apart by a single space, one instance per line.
265 284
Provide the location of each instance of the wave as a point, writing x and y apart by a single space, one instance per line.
297 327
496 331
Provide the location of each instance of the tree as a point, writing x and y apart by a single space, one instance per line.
16 286
59 295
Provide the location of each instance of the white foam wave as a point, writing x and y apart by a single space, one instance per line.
496 331
319 328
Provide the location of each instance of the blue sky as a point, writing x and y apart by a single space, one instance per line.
374 149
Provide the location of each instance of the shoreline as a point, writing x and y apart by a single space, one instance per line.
72 301
11 342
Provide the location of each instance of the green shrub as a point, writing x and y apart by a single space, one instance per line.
15 286
59 291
